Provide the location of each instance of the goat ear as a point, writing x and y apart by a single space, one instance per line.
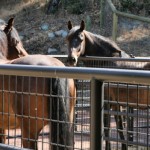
69 25
82 26
9 25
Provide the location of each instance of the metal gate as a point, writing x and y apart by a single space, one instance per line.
88 124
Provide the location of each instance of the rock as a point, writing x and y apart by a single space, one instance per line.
2 24
51 35
64 34
120 39
59 33
52 51
21 37
45 26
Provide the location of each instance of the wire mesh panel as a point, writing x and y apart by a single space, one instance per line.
36 106
118 63
121 129
28 113
133 99
82 115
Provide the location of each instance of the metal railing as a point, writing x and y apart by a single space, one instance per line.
84 104
116 75
96 75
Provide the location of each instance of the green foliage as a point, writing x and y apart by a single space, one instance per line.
76 6
134 6
127 4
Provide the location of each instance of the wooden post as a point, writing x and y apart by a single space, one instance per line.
102 5
115 26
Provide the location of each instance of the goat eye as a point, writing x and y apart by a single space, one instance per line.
78 50
81 37
76 40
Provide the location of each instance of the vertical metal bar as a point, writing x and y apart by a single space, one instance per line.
148 100
97 112
36 105
43 111
29 100
138 118
82 103
115 24
9 113
130 124
3 104
16 83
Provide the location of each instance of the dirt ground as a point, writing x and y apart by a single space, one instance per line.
29 18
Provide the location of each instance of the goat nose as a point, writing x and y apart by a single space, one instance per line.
73 59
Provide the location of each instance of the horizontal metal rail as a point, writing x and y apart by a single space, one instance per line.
8 147
136 59
125 86
104 74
